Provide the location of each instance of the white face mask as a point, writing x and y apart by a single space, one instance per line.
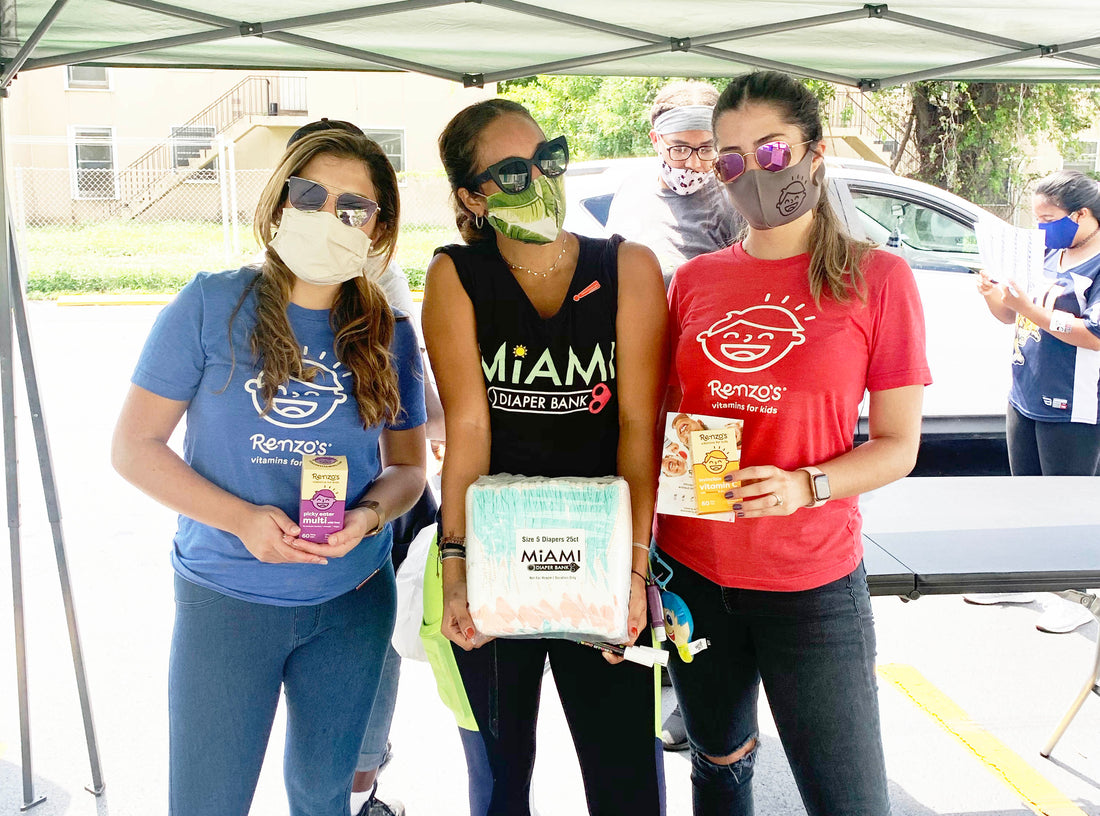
682 180
320 249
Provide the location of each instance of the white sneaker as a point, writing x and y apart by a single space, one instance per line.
1062 617
987 598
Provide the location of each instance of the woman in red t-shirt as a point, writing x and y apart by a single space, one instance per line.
786 331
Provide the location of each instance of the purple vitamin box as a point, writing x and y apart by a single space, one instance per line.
324 491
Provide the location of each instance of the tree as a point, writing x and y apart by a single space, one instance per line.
974 138
604 117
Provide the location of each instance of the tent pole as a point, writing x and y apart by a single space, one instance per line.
32 41
53 505
11 478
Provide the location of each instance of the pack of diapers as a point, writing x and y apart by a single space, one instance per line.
549 557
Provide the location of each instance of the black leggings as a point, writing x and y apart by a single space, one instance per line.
1051 448
609 709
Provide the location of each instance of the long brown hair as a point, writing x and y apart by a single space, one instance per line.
458 150
836 258
360 316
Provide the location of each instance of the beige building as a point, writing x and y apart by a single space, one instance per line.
87 143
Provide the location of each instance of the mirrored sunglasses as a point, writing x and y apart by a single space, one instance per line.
309 196
773 157
514 174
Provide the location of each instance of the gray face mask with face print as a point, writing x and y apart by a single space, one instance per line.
769 199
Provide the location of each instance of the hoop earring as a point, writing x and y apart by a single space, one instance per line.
479 222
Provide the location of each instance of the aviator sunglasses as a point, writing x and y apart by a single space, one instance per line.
773 157
513 175
309 196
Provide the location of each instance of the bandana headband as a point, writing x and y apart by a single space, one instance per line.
685 117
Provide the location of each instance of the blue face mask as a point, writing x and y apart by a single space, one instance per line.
1059 234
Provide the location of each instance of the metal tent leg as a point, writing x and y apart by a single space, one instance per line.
1093 604
53 507
11 479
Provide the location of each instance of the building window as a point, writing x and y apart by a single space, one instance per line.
84 77
94 163
1086 158
190 142
393 143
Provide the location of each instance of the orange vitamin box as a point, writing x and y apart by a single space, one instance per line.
714 455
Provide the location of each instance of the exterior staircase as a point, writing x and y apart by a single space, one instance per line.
848 121
194 145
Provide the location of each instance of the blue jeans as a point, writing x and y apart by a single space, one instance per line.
815 652
229 661
477 767
373 749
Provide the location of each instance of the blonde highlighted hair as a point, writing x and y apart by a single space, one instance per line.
360 317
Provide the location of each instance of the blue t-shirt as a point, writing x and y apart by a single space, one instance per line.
258 458
1052 380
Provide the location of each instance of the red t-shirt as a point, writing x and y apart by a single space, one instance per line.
748 342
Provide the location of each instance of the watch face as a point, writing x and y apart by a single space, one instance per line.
821 487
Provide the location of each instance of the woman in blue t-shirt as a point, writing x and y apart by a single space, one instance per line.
298 357
1052 416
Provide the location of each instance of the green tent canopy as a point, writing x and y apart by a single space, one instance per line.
863 45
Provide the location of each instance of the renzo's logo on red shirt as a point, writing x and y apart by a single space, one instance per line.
752 339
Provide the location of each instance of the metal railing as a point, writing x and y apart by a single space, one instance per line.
846 110
142 182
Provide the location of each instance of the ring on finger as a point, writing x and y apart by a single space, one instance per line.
778 500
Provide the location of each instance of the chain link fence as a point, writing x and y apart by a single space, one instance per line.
76 233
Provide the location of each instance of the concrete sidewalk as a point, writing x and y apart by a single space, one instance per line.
1010 683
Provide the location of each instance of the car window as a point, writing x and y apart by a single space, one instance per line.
919 227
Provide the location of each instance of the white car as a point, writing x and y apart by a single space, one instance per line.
968 350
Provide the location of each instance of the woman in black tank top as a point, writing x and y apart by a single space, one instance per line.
549 351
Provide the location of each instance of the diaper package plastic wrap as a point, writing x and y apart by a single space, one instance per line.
549 557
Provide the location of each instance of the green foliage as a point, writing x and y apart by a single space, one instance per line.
159 258
974 138
603 117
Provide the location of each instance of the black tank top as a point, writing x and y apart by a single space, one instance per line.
553 404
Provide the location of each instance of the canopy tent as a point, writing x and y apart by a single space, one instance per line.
481 41
478 41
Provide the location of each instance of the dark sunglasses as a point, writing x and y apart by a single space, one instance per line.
309 196
513 175
773 157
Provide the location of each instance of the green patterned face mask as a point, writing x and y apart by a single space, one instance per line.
533 216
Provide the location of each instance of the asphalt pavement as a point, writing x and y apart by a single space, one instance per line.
968 694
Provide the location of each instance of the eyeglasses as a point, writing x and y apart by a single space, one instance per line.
513 175
309 196
682 152
773 157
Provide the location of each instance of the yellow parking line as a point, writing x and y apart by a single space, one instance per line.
1035 790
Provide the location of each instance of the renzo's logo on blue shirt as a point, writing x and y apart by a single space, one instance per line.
302 404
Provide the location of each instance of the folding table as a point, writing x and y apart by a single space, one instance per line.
954 535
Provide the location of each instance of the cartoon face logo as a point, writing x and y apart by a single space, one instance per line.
791 197
715 461
301 404
753 339
323 499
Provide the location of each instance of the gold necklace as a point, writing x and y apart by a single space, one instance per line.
546 274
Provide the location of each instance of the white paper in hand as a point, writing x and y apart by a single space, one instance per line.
1011 253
